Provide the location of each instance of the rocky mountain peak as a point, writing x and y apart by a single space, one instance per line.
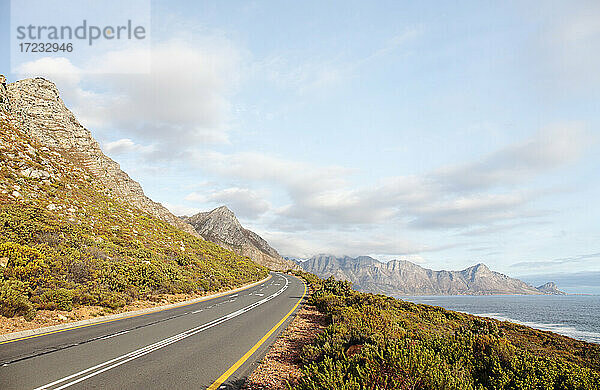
35 107
224 209
225 214
482 269
222 227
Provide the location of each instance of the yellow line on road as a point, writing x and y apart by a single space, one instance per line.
136 315
260 342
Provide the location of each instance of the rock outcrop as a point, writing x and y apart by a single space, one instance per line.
401 277
550 288
223 228
35 107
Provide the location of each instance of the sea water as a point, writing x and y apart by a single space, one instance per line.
576 316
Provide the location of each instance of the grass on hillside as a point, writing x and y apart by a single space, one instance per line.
378 342
64 241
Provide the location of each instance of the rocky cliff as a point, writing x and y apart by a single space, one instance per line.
401 277
223 228
67 242
36 108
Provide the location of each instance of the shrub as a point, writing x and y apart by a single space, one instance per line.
14 300
376 342
24 263
56 299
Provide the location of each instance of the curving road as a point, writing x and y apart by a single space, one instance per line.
211 344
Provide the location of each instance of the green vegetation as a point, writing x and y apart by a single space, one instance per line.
377 342
65 241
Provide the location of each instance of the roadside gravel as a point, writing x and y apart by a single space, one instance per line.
282 363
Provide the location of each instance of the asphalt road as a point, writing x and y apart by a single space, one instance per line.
180 348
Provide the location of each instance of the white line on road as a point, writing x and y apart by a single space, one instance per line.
113 335
100 368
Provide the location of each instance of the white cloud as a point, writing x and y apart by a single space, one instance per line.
56 66
243 202
470 195
183 103
471 210
551 147
181 210
125 146
343 244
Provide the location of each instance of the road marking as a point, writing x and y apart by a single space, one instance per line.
124 318
102 367
113 335
232 369
197 311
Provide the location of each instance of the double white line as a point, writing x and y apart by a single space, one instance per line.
100 368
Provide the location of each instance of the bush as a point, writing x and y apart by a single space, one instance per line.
111 256
56 299
377 342
14 300
24 263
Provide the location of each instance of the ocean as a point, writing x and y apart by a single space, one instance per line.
576 316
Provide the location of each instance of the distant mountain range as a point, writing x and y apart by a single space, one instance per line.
223 228
401 277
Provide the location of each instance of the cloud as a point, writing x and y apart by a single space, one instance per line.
183 103
564 260
125 146
58 67
353 244
243 202
550 148
181 210
479 194
472 210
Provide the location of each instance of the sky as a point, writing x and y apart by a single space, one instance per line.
444 133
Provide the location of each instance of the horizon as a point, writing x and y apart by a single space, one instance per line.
446 138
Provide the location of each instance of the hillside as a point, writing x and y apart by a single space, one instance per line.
401 277
37 109
378 342
75 230
222 227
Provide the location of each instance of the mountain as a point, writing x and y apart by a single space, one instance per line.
223 228
401 277
75 230
550 288
37 109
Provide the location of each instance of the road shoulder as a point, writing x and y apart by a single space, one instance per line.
282 362
9 337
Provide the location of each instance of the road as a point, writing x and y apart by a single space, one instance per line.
210 344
